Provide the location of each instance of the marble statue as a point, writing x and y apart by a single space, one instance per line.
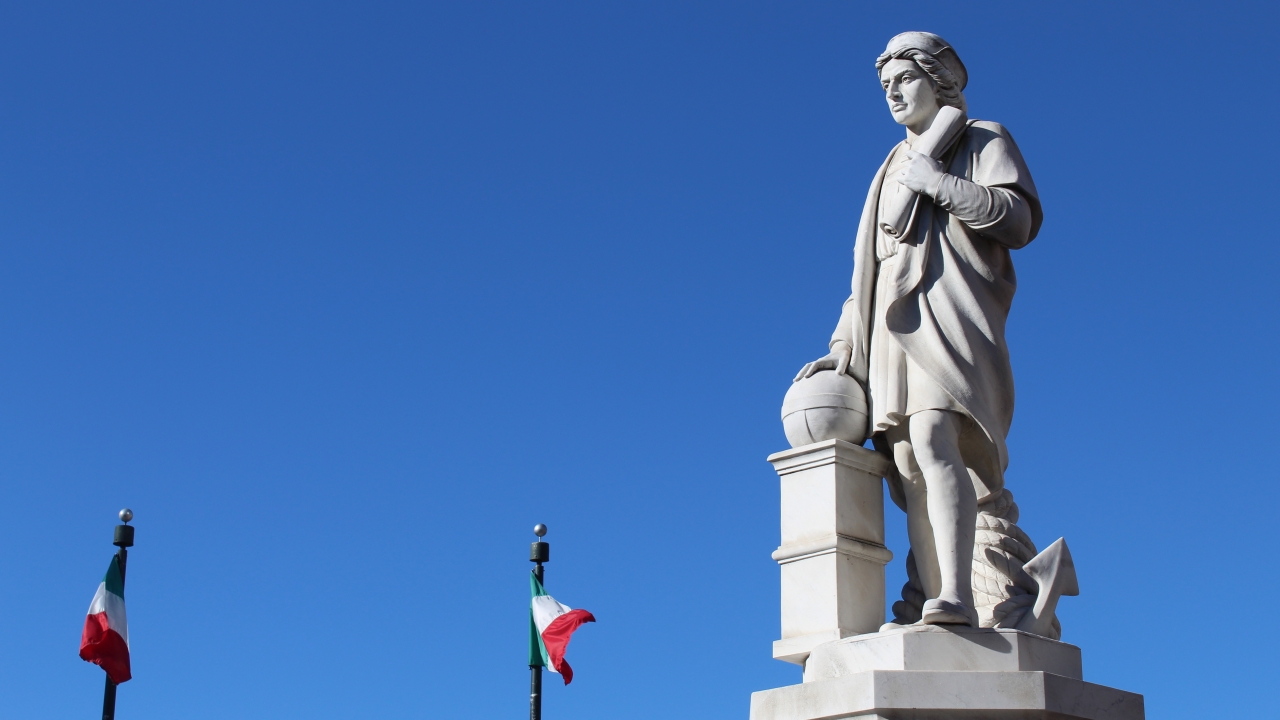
923 328
918 364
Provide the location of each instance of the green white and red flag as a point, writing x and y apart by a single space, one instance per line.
550 625
105 641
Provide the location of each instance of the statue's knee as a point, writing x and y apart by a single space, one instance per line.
935 437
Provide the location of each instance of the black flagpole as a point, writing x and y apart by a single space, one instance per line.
124 541
539 553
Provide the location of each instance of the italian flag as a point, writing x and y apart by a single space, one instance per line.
550 625
105 641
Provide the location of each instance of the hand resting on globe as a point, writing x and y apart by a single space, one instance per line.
826 405
838 360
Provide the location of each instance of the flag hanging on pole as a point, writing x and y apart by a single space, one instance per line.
550 625
105 641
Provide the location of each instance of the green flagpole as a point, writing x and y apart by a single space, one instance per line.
539 553
123 540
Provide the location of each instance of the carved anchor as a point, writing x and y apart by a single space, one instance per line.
1055 574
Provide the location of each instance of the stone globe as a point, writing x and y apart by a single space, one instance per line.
825 406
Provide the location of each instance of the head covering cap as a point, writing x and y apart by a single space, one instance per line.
935 46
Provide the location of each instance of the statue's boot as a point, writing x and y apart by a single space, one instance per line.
943 612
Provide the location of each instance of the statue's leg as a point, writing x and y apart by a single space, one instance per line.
915 491
952 509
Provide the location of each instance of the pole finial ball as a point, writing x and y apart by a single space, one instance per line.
539 529
126 515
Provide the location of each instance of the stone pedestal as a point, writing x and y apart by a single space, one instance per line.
832 561
832 553
946 673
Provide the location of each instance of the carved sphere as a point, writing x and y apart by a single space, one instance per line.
539 529
825 406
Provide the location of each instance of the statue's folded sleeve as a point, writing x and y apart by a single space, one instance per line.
997 213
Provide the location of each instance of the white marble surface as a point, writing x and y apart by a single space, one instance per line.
905 695
929 648
1055 574
832 554
824 406
939 403
923 326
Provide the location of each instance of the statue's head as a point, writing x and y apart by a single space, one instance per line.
920 73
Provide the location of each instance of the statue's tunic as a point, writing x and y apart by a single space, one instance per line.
897 386
926 314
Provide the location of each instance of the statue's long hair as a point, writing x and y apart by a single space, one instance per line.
944 81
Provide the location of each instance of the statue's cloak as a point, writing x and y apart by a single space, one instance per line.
951 294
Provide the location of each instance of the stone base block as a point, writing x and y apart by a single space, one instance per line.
945 673
932 648
796 649
906 695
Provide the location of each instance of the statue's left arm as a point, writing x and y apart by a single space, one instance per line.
994 212
998 201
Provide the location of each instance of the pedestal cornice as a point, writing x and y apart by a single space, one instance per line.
830 452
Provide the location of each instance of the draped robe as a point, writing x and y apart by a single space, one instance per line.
952 288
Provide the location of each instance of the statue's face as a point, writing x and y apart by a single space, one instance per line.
909 92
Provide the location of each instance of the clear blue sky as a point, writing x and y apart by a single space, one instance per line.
341 299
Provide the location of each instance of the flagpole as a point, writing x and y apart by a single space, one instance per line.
539 552
124 541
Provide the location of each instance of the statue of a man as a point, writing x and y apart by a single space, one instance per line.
923 329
